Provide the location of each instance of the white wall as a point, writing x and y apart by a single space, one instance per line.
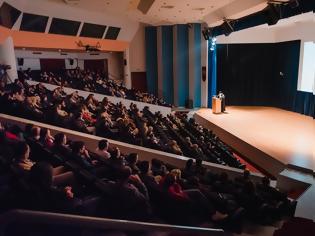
115 60
7 57
115 65
300 27
137 51
252 35
304 31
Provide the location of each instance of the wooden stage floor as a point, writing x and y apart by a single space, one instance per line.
286 137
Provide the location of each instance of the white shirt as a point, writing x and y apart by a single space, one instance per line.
102 153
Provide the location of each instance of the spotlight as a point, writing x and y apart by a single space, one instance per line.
272 14
207 33
227 27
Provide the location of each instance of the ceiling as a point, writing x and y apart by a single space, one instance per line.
163 12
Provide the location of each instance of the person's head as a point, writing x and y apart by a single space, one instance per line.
89 98
78 147
133 158
60 139
249 187
35 133
44 133
144 167
22 151
265 181
103 145
124 174
189 163
199 162
41 175
116 153
157 164
246 174
177 173
78 115
170 179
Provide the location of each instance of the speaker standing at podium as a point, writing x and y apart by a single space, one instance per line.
221 96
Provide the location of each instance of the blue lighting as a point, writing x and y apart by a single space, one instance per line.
213 43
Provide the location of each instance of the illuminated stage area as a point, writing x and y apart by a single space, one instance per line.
269 137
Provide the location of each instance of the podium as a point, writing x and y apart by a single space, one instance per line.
216 105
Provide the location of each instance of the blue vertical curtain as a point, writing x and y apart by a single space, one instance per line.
182 64
151 59
197 65
212 71
167 61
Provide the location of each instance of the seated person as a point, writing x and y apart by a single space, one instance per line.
35 133
130 202
116 159
79 124
81 155
33 105
199 169
59 109
242 180
132 161
147 178
191 196
44 195
158 168
23 165
174 148
60 145
189 170
46 138
270 194
102 149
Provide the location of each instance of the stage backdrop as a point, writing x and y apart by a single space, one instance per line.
249 75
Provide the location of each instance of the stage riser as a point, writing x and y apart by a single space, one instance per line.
254 155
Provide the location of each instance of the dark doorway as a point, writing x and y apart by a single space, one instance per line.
96 65
139 81
52 64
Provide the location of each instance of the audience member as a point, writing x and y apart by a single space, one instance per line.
102 149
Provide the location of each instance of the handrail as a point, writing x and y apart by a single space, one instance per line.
40 217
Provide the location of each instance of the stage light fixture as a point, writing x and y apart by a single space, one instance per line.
272 13
206 32
227 27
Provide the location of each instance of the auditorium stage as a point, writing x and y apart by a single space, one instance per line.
269 137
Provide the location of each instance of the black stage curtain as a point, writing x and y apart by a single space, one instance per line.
249 75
